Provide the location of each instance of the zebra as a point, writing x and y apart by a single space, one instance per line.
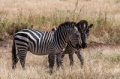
44 43
84 30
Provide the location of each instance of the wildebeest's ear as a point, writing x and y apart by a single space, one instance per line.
90 26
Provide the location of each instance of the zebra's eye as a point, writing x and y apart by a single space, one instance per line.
87 31
77 35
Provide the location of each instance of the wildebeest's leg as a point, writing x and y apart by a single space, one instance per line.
22 57
59 60
51 59
79 55
71 58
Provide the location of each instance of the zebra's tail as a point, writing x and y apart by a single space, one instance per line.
14 56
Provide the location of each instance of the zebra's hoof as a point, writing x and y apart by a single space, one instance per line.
51 72
13 67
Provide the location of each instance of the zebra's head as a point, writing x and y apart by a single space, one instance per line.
71 34
84 29
75 38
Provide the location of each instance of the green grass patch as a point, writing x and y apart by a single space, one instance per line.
104 28
112 58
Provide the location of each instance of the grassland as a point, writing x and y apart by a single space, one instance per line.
45 14
100 62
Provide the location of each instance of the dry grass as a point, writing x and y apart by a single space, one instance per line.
100 63
45 14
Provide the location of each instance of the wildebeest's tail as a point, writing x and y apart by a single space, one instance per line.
14 56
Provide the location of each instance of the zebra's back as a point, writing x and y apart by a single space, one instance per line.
37 42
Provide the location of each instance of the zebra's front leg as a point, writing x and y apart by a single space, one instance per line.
71 59
79 55
51 59
59 60
22 57
62 61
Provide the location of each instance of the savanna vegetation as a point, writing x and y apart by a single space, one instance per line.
45 14
101 62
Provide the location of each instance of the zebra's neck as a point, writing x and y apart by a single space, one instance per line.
61 39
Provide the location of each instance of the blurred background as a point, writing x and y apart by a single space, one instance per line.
46 14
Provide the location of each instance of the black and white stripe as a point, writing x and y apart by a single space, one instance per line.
43 43
84 30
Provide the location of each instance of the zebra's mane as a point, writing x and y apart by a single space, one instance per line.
66 25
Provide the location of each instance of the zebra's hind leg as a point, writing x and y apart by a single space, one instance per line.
51 59
14 62
22 57
14 56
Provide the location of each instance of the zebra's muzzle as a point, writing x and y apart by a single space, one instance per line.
84 45
78 46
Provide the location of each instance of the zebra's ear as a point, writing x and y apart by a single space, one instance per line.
76 28
54 29
90 26
84 26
